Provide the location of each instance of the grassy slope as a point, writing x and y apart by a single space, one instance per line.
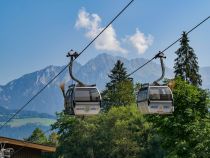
23 127
25 121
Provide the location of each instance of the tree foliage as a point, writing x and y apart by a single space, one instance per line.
53 139
186 132
119 91
186 64
122 132
37 136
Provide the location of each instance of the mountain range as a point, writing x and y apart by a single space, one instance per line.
17 92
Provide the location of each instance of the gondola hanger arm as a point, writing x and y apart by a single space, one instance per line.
73 55
161 56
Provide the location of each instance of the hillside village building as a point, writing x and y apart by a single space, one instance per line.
24 149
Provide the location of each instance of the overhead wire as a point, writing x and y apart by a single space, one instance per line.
42 89
107 26
188 32
141 65
64 70
32 98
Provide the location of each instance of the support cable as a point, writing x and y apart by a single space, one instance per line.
191 30
42 89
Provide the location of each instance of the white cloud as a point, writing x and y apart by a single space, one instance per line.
107 41
140 41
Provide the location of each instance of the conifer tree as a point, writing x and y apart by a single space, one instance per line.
118 73
186 64
37 136
119 91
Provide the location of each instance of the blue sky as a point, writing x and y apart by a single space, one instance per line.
38 33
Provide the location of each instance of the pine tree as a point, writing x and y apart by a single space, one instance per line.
37 136
118 74
53 139
120 90
186 64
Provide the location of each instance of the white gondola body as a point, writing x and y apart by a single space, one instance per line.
155 100
156 107
85 101
85 108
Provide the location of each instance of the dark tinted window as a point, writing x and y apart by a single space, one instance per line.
142 95
160 93
87 94
69 94
82 94
95 96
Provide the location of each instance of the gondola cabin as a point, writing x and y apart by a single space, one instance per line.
84 100
155 100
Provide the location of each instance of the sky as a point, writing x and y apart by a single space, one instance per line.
37 33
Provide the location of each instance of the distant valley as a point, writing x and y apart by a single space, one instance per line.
24 123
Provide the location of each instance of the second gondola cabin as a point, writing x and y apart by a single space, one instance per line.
153 99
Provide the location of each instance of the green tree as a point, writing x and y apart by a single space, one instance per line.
118 73
186 133
53 139
186 64
137 87
75 137
122 132
37 136
120 90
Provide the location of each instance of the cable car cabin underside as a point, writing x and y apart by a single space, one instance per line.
83 100
155 100
87 108
156 107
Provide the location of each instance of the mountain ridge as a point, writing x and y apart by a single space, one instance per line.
95 71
